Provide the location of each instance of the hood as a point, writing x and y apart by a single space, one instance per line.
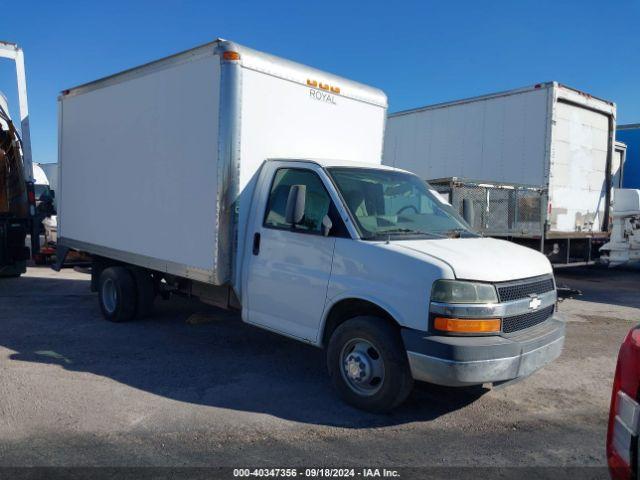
485 259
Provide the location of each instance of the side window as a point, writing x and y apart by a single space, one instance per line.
317 200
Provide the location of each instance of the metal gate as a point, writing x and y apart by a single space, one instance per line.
494 208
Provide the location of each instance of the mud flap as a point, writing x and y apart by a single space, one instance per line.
61 256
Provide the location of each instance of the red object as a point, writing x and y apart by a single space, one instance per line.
624 464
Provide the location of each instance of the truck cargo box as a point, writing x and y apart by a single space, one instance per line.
550 136
156 163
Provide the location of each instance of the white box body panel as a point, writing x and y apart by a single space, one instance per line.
138 164
488 139
577 176
156 162
287 122
549 136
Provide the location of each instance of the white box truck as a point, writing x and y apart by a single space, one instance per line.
534 164
255 183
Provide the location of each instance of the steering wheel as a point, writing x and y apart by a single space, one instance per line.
407 207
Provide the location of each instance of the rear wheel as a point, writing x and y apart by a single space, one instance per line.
117 294
368 364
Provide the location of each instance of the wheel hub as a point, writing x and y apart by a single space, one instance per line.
109 296
362 366
358 367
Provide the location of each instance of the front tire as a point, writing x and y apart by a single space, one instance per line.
117 294
368 364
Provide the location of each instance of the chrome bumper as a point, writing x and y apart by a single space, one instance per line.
462 361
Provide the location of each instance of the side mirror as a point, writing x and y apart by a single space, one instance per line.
52 193
326 225
294 210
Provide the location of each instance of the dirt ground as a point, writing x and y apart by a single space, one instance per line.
76 390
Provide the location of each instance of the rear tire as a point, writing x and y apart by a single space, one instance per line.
368 364
117 294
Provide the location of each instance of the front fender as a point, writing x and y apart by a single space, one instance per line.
397 280
355 295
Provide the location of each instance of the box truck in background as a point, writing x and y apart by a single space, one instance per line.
503 148
630 135
254 183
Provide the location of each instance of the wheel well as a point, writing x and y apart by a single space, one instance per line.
349 308
98 264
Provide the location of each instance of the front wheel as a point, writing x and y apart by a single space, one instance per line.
368 364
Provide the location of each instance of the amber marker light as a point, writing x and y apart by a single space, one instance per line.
231 55
467 325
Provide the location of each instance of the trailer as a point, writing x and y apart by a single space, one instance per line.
549 137
630 135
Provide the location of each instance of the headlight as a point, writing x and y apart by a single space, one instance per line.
454 291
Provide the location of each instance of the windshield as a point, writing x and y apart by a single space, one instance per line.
387 203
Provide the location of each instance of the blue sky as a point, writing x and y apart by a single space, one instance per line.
420 52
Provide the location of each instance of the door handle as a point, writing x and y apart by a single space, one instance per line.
256 243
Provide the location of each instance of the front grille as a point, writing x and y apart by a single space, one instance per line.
526 320
524 288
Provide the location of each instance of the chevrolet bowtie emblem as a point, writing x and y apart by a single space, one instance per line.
534 303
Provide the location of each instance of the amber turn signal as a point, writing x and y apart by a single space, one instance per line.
467 325
231 55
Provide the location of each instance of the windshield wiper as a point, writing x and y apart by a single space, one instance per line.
457 233
395 231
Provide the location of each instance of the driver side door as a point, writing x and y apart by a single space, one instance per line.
290 265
